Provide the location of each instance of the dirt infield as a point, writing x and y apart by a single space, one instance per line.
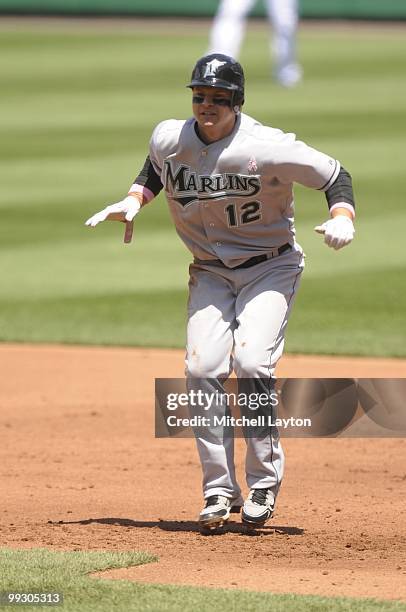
81 469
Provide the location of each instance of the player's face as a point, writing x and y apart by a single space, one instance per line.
213 112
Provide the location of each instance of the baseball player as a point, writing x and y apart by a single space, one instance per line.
228 30
229 182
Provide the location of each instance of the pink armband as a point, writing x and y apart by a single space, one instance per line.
147 193
344 205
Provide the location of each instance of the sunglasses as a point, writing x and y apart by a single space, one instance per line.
218 101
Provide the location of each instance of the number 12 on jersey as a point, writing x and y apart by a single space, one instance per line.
241 215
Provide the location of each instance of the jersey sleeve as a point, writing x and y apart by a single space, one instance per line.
296 162
155 148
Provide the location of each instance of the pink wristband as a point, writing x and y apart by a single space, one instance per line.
344 205
147 193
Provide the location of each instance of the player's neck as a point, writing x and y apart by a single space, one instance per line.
209 134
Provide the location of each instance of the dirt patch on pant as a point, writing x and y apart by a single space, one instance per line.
81 469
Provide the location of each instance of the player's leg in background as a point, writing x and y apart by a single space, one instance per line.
211 320
228 27
262 311
283 17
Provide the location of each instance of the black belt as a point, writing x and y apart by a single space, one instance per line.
253 261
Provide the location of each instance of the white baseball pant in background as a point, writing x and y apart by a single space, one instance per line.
229 27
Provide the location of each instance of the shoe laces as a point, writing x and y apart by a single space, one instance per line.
259 496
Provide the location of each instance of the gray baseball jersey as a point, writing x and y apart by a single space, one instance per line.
233 199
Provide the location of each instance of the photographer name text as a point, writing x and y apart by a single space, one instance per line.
231 421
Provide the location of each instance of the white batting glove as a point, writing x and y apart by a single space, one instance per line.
338 232
124 211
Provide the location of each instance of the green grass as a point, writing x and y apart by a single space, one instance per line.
40 570
78 108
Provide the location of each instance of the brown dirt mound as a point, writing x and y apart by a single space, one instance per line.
82 470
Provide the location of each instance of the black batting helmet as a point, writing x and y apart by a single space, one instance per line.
218 70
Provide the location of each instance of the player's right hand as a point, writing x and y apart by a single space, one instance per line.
124 211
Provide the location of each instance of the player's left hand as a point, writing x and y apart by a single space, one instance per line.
338 232
124 211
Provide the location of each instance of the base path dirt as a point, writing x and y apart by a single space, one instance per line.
80 469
